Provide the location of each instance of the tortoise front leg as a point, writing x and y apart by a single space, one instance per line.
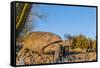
57 53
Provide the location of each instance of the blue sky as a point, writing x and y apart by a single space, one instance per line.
67 20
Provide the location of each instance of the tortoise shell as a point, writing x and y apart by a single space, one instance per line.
36 41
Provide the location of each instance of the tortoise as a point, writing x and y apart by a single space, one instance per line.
42 42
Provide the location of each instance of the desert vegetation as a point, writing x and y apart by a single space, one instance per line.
81 43
46 47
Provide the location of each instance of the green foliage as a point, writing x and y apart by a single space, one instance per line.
82 42
92 45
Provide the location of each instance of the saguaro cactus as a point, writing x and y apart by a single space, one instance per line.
22 11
